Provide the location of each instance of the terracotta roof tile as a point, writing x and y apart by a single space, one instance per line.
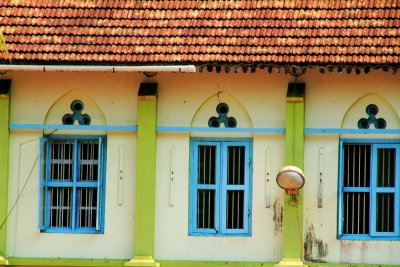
203 32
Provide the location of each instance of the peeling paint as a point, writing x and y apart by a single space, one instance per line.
278 216
314 249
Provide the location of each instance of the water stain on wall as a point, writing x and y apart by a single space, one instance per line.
278 216
314 249
363 252
346 250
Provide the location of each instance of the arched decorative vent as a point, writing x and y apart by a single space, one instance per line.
222 110
77 107
372 110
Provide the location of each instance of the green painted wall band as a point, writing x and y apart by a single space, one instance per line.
5 86
146 170
294 155
17 261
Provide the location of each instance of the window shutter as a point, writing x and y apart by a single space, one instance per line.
99 183
43 148
385 190
235 188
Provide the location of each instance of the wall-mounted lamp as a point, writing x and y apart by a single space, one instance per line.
291 179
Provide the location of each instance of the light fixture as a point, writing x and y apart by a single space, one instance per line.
291 179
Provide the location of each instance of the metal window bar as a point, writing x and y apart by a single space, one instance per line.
61 161
385 212
60 207
74 184
206 164
357 165
88 161
386 167
236 165
205 209
356 199
235 209
87 207
356 212
72 205
220 204
206 186
235 181
88 196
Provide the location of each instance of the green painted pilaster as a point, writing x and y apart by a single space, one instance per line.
145 177
294 155
4 159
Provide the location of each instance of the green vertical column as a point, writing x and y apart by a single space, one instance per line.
294 155
145 177
4 160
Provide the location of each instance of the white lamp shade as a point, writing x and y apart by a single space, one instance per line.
290 178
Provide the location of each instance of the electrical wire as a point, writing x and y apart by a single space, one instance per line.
299 226
26 181
20 193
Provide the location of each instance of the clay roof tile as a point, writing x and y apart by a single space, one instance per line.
296 31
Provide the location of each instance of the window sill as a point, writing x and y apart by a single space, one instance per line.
68 231
64 262
368 237
221 234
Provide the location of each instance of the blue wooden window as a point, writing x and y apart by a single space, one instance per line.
369 190
71 184
220 187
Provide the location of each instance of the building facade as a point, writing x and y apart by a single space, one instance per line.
147 154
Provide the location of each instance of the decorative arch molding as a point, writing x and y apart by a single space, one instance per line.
64 107
370 111
210 111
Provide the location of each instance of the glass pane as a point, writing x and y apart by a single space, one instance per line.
60 206
236 165
206 165
88 161
357 165
234 209
356 213
61 156
87 207
386 167
205 208
385 212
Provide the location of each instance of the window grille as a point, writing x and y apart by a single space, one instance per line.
220 186
369 190
71 184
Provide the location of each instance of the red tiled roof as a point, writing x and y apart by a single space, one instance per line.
300 32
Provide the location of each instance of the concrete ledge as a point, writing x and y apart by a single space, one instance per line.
3 261
290 262
142 261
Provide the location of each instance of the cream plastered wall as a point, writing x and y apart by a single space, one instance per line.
328 98
260 95
32 95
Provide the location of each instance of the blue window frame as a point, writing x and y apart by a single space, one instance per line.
369 189
71 184
220 187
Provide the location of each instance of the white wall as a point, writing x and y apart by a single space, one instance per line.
328 98
263 97
32 95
